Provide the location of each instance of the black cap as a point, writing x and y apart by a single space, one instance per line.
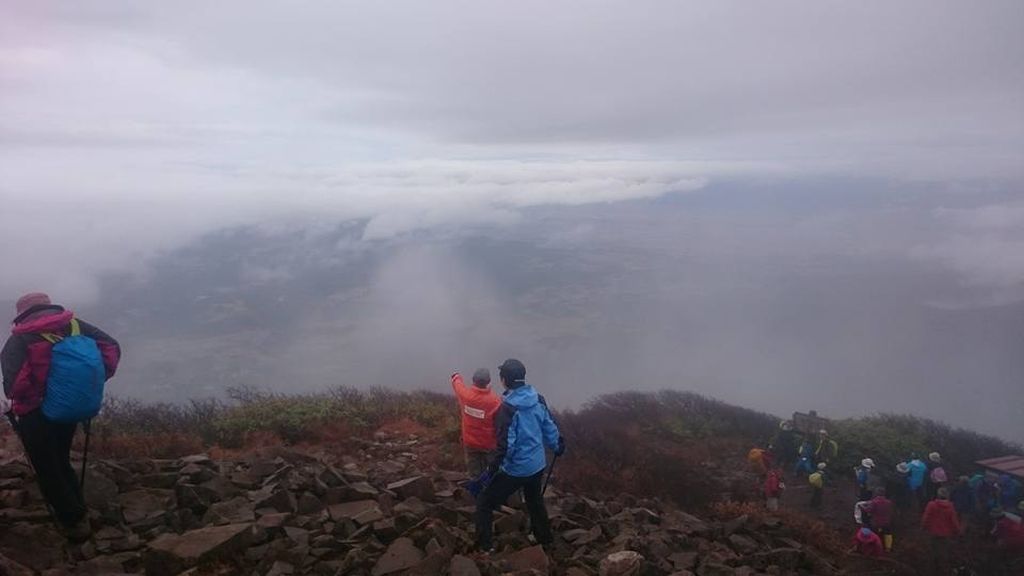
512 371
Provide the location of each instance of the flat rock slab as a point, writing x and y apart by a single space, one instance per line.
171 553
402 554
419 486
353 510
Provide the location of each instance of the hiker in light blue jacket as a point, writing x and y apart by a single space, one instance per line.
524 429
917 470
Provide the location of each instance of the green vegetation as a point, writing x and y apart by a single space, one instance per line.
650 442
891 438
291 417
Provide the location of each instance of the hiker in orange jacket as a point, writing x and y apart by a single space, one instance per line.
478 405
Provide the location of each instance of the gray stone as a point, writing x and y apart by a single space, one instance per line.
280 568
232 511
158 480
143 504
9 567
31 545
734 524
217 489
309 504
15 470
743 544
278 499
198 459
683 560
297 535
412 506
715 569
624 563
418 486
402 554
100 491
532 558
170 554
463 566
362 512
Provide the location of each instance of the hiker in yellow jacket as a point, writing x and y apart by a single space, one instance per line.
827 449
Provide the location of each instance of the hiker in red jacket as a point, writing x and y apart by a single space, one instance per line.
880 509
478 405
867 543
940 520
773 487
25 362
1009 534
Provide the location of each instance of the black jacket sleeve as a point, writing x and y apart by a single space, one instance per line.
12 358
502 420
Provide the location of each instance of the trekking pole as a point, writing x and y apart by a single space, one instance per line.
87 426
551 470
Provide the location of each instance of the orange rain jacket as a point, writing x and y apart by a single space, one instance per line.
478 407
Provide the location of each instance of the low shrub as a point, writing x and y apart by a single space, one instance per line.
292 418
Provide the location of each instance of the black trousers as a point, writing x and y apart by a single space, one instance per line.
48 445
495 495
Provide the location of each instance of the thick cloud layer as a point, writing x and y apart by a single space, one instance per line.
132 130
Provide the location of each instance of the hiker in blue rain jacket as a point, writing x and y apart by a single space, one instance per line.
524 427
917 470
805 454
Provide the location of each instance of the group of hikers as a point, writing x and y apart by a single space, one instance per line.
921 484
504 439
55 366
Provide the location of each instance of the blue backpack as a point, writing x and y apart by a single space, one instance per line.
74 387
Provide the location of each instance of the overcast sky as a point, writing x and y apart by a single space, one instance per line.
131 128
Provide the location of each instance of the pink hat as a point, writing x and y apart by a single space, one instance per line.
31 299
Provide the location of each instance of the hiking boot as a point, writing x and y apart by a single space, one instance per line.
79 531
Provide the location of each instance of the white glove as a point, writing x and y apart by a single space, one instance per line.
5 405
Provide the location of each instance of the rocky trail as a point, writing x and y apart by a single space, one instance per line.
375 510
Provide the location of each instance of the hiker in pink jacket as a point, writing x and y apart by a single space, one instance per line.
26 362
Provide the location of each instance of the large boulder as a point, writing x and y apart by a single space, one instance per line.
625 563
171 554
401 555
